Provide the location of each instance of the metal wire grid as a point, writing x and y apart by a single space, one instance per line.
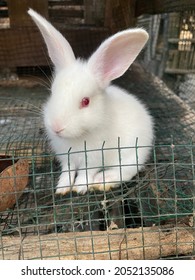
163 193
173 117
185 87
20 120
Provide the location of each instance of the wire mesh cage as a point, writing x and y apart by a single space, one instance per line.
149 217
155 208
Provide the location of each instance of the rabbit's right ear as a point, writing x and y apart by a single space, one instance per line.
58 47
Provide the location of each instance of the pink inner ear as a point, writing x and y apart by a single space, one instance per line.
116 54
117 60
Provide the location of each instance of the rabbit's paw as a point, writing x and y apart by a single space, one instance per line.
64 185
63 190
81 189
104 181
105 187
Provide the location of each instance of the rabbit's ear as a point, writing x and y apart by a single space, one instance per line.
58 47
116 54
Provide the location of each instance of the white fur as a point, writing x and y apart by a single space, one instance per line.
114 117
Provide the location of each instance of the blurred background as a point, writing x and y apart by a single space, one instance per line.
169 53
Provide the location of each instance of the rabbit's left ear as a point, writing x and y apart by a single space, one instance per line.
116 54
58 47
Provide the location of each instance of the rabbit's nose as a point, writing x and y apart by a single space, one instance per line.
57 128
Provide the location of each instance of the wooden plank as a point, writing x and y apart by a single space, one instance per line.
65 3
120 244
100 12
57 13
176 40
25 46
94 12
18 11
21 47
179 71
89 12
68 21
119 14
163 6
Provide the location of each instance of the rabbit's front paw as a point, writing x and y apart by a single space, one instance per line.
83 182
63 190
64 185
104 181
82 189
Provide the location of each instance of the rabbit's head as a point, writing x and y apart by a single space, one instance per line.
78 102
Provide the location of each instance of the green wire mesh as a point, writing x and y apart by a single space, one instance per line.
162 193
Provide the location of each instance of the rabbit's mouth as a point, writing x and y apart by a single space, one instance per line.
73 134
59 132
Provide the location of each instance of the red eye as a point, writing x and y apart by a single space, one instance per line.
85 102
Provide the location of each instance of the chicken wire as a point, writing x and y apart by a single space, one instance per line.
155 207
185 88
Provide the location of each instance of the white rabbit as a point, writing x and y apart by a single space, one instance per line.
86 113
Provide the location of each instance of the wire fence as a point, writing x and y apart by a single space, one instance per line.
161 195
150 217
